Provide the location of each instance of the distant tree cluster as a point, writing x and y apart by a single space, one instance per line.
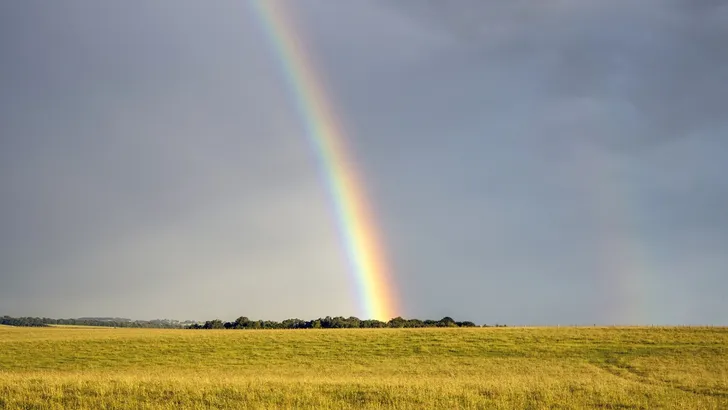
93 321
328 322
23 321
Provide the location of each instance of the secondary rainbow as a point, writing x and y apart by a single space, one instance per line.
623 262
325 134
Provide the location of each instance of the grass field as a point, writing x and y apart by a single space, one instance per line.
617 368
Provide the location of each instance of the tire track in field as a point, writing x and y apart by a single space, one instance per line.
625 371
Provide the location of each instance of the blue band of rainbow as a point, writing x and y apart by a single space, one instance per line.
325 135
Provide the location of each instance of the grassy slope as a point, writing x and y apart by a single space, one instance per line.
407 368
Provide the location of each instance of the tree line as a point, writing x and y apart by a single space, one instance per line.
90 321
329 322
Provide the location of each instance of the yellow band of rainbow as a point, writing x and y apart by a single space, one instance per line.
324 133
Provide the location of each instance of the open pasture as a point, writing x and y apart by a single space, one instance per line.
620 368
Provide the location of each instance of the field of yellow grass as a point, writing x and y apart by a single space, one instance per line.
619 368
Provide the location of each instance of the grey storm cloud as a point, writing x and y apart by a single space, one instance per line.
527 162
662 61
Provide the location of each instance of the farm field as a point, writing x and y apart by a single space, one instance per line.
619 368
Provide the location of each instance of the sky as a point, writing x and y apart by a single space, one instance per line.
528 163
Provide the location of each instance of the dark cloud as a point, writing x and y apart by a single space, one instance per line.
528 163
659 63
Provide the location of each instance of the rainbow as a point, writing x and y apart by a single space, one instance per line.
325 135
624 260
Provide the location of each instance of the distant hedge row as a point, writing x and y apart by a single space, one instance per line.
110 322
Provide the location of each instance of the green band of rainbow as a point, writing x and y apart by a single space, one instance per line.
356 224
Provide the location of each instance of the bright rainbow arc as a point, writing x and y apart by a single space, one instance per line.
356 225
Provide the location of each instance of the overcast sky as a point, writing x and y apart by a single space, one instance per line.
557 162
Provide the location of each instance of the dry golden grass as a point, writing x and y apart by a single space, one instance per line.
49 368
